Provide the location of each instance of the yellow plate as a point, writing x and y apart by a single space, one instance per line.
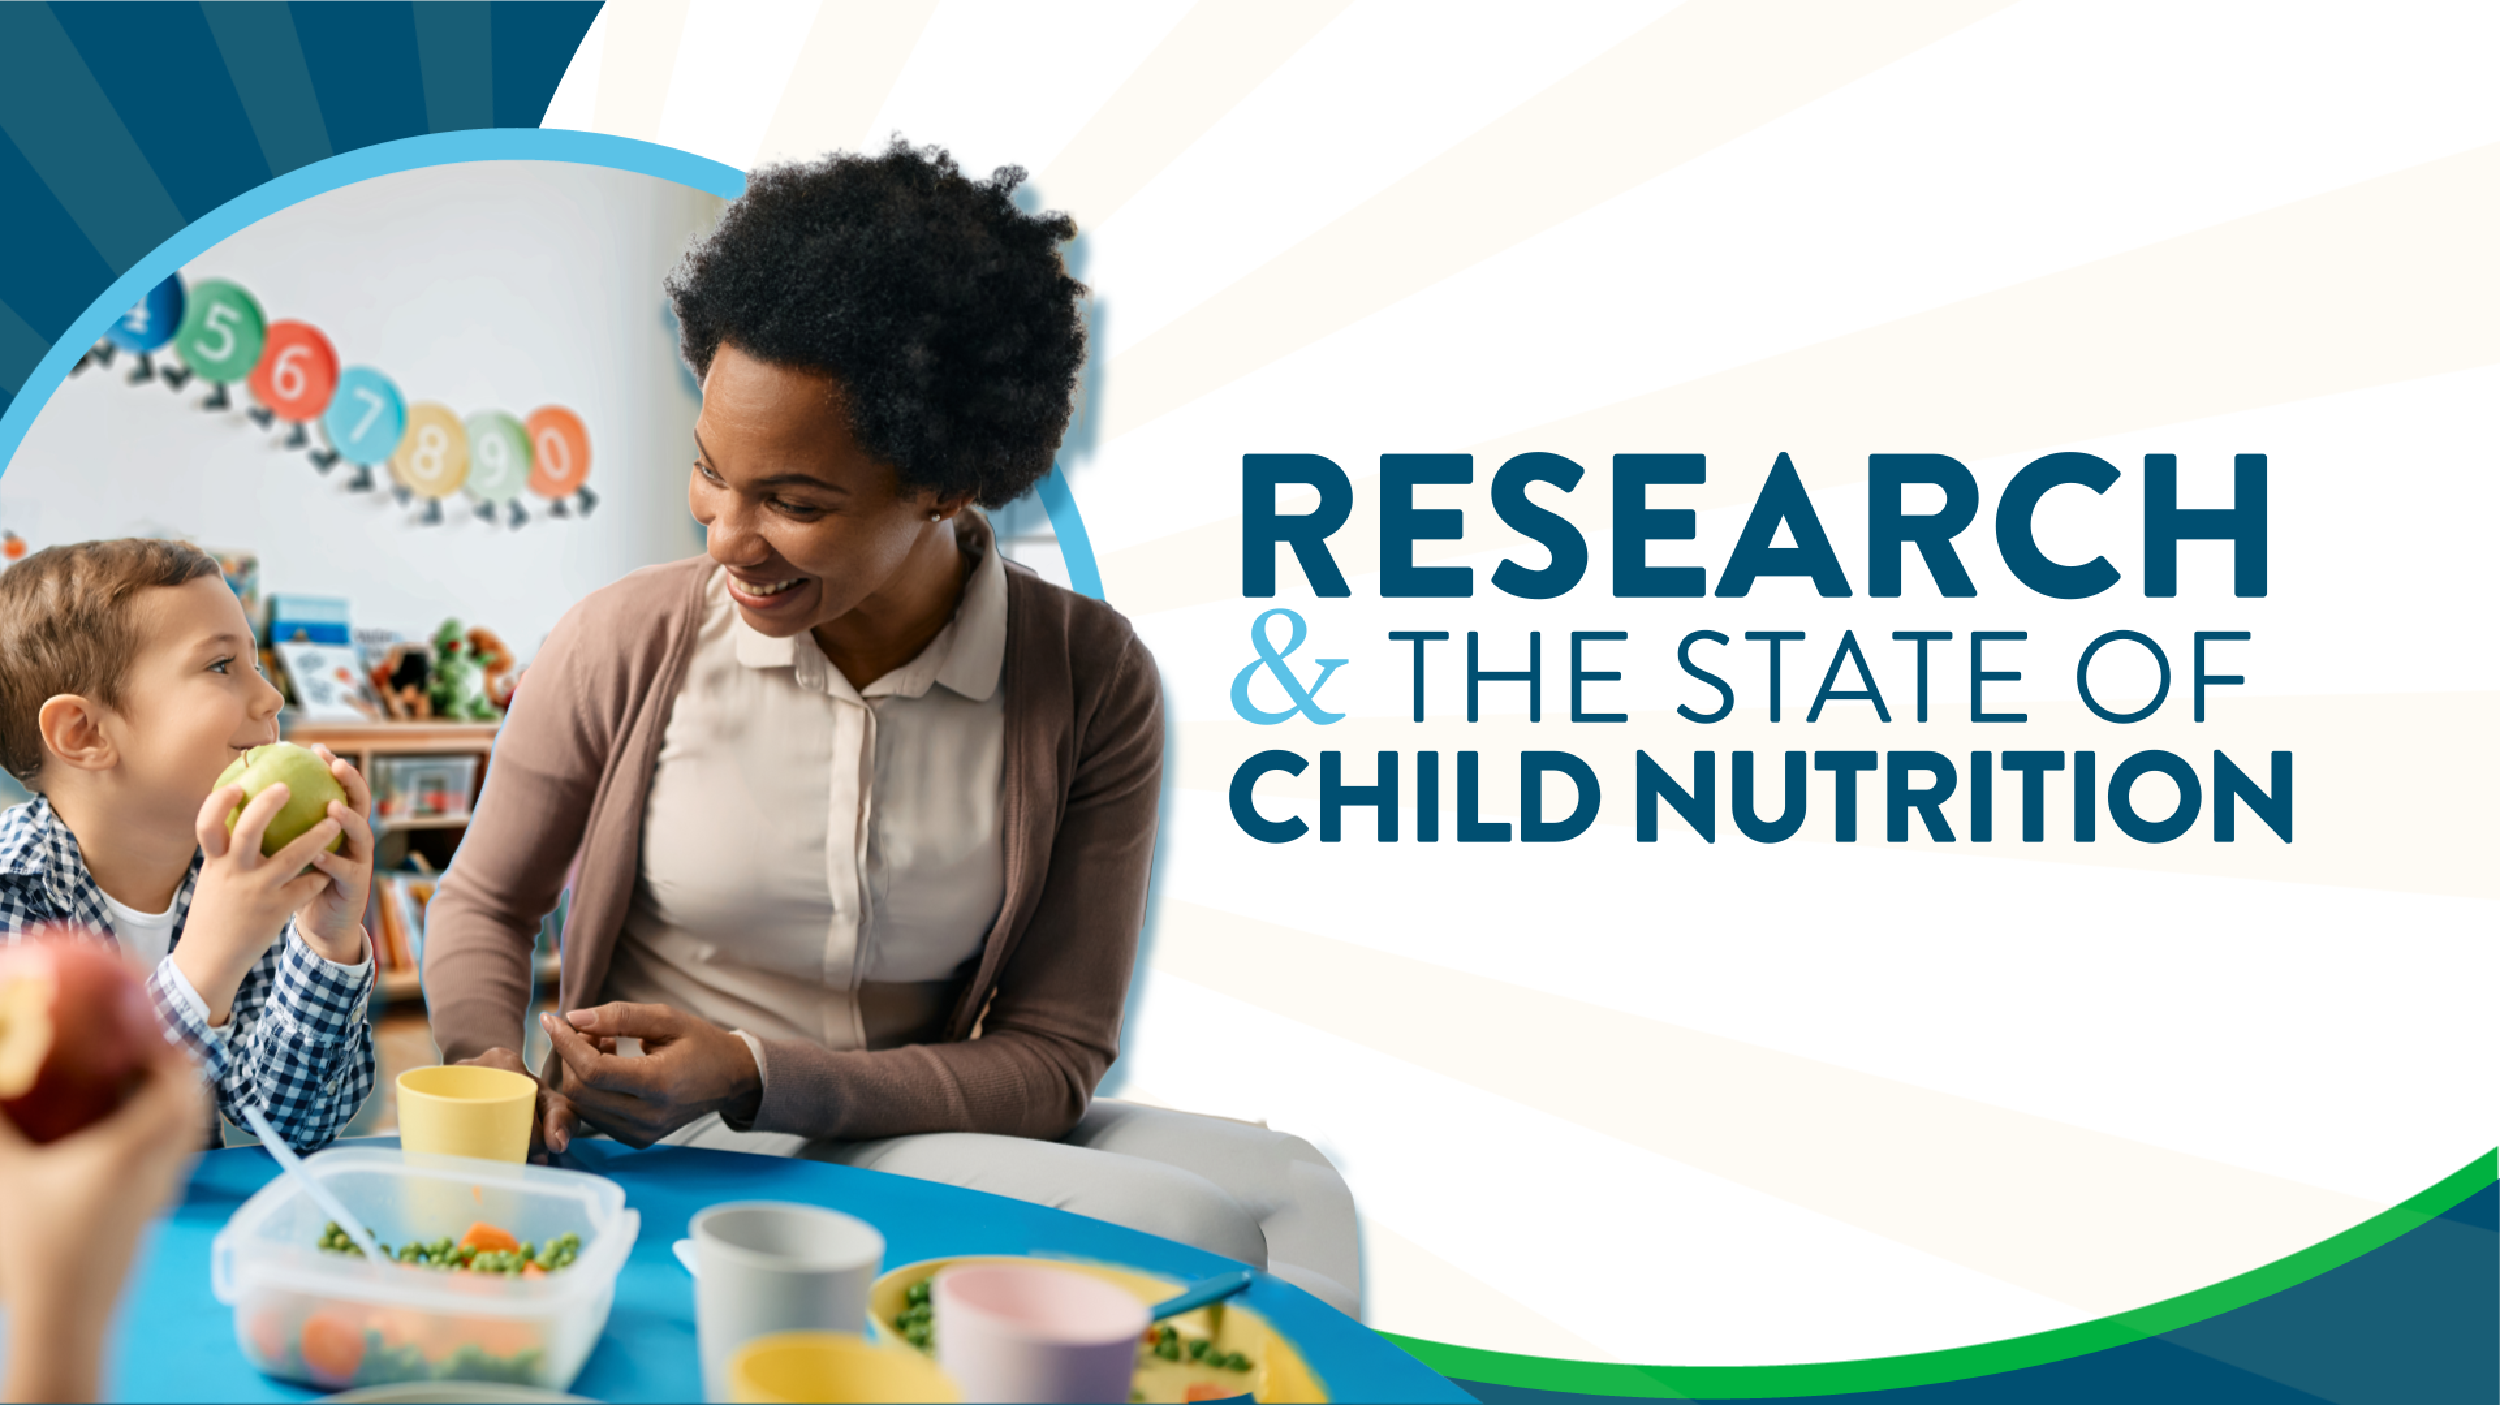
1278 1375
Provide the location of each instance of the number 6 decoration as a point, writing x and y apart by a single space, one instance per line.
293 382
363 424
220 340
560 459
140 331
432 459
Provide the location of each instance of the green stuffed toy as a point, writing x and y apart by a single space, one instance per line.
457 689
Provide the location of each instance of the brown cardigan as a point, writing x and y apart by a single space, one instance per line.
1079 781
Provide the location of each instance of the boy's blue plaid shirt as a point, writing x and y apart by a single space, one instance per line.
295 1043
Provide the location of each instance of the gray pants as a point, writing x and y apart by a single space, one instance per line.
1232 1188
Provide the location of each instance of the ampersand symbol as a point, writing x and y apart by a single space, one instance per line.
1306 701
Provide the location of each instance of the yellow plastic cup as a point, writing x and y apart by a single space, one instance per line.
789 1367
465 1110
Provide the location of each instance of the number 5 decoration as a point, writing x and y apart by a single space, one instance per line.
295 378
220 340
363 423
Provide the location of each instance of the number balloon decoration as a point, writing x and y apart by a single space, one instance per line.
432 459
147 327
215 330
560 458
499 463
295 378
221 337
363 424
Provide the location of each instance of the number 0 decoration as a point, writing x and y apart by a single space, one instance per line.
218 333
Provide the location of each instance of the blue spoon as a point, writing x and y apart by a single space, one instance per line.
1203 1292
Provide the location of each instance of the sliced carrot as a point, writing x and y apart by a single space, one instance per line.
1206 1391
334 1347
268 1336
532 1271
485 1237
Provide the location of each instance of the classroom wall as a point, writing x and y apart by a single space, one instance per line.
495 285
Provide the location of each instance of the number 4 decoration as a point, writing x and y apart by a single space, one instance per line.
140 331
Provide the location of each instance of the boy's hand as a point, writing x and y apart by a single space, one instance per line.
244 899
333 920
70 1218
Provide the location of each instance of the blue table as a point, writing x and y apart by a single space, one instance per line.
175 1341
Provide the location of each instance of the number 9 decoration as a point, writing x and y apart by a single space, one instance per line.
363 424
560 458
499 463
221 337
432 459
295 377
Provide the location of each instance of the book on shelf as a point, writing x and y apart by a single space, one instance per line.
397 921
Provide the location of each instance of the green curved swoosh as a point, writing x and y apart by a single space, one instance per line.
1957 1363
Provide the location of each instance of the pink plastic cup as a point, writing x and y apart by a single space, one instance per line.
1029 1332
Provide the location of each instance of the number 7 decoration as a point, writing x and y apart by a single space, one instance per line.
363 424
294 380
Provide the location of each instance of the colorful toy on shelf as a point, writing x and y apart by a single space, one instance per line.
458 689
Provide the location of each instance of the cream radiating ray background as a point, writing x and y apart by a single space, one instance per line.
1732 1103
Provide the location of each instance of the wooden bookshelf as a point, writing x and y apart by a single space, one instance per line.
403 985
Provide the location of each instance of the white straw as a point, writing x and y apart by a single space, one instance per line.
294 1167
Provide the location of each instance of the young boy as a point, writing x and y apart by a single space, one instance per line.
127 685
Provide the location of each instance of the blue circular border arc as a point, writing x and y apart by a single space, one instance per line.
414 153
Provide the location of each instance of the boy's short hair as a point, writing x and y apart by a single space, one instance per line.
65 627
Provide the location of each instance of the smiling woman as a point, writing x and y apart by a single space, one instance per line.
860 817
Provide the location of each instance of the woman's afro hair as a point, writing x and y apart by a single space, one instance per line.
945 313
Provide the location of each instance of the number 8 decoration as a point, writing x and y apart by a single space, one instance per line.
295 377
363 424
220 340
432 459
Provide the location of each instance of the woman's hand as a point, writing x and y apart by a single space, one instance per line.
689 1067
70 1218
551 1130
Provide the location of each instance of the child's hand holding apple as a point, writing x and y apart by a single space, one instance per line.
254 873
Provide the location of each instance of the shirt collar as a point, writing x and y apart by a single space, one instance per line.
966 657
36 845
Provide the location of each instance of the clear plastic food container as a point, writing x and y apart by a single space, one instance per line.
338 1320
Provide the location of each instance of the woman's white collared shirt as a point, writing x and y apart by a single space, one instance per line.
820 862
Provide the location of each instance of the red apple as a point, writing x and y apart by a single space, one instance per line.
76 1031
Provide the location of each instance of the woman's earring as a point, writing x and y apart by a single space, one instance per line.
935 516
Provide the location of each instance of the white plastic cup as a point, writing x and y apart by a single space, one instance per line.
1029 1332
763 1268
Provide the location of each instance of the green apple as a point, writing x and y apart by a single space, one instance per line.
310 789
